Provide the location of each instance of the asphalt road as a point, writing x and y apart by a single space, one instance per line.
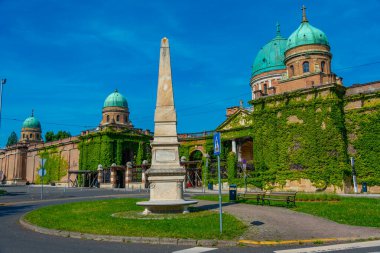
16 239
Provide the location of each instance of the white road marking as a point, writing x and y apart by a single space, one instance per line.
195 250
345 246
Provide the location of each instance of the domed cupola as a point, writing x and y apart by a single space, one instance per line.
115 99
307 51
306 34
115 111
268 67
31 130
271 56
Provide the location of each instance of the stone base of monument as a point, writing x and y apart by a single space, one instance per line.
166 192
166 206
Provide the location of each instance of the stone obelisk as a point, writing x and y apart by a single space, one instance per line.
166 176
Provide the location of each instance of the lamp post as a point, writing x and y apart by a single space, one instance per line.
2 82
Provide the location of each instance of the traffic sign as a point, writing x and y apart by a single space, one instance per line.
42 162
217 144
42 172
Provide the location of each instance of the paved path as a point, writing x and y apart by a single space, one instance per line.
278 223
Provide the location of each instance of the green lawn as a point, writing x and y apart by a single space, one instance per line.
2 192
345 210
96 217
351 211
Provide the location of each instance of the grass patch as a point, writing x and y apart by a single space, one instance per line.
344 210
96 217
317 197
351 211
2 192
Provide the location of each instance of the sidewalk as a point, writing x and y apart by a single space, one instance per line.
268 223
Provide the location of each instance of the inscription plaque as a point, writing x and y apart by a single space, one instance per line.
165 155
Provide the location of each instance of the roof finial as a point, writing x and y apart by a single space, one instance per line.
304 18
32 112
278 29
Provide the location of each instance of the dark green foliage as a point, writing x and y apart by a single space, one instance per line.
50 136
299 138
231 166
56 166
108 147
12 139
363 128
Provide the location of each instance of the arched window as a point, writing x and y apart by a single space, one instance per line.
126 119
291 70
108 118
37 136
265 89
305 67
323 66
23 136
117 118
31 135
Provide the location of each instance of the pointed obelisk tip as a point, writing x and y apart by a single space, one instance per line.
164 42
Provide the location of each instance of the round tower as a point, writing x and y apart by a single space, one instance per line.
31 130
268 66
307 51
115 111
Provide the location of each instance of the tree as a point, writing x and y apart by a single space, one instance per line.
50 136
62 135
12 139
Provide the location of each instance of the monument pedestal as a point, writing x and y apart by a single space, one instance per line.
166 192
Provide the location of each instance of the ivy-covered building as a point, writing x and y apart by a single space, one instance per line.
302 125
114 142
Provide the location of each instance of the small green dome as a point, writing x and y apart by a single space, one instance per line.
31 122
271 56
306 34
115 99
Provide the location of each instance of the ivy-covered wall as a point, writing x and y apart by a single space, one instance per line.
300 135
107 147
55 166
363 130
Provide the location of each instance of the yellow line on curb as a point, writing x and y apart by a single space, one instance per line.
316 240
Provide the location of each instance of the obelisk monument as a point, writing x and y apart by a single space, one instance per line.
166 176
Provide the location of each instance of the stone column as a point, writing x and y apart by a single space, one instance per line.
128 174
100 174
143 175
234 146
113 177
239 151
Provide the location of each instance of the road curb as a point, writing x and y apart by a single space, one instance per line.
125 239
305 241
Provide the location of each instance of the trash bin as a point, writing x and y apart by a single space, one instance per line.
210 186
232 191
364 187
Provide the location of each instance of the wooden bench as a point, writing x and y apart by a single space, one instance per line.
288 197
251 195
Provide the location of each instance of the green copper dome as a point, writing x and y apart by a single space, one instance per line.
115 99
306 34
31 122
271 56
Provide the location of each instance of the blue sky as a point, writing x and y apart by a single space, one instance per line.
63 58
